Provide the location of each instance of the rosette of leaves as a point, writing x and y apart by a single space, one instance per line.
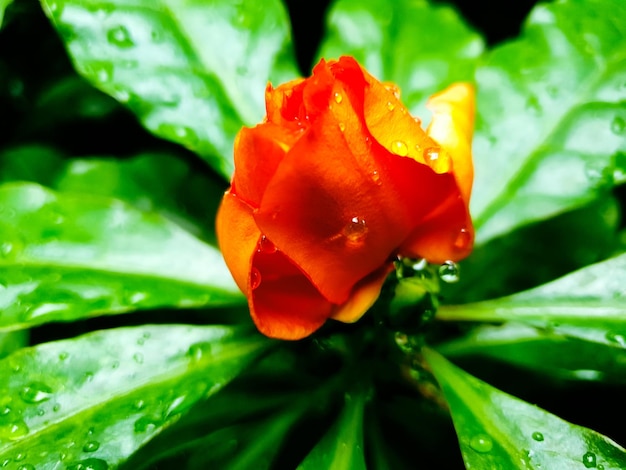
125 342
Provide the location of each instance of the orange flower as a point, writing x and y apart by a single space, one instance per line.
336 182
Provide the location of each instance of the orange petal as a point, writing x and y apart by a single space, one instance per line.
452 127
363 296
238 236
258 152
284 304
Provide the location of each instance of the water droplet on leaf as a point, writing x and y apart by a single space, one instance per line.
589 460
616 338
138 358
618 125
120 37
481 443
36 392
537 436
449 272
89 464
91 446
399 148
26 466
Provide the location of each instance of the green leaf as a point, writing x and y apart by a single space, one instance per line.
35 163
551 116
589 304
555 356
150 181
418 46
342 446
192 71
12 341
499 431
96 399
3 5
64 257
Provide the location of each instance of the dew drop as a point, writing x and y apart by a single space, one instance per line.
375 177
338 97
120 37
138 358
5 410
481 443
266 246
91 446
463 239
390 106
139 404
89 464
88 377
342 127
56 407
255 278
537 436
63 356
417 120
36 392
399 148
449 272
618 125
589 460
26 466
438 160
14 430
355 231
533 106
115 364
616 338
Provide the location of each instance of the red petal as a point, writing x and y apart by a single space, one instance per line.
258 152
238 236
284 304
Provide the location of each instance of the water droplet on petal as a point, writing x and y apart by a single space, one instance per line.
438 159
255 278
342 127
120 37
618 125
36 393
463 239
589 460
355 231
266 246
537 436
338 97
399 148
449 272
91 446
481 443
375 177
390 106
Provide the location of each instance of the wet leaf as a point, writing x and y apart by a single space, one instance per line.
498 431
551 125
556 356
94 400
342 446
418 46
69 256
193 72
589 304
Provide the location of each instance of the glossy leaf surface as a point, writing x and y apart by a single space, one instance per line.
551 127
342 446
193 72
66 257
501 432
90 402
589 304
556 356
418 46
